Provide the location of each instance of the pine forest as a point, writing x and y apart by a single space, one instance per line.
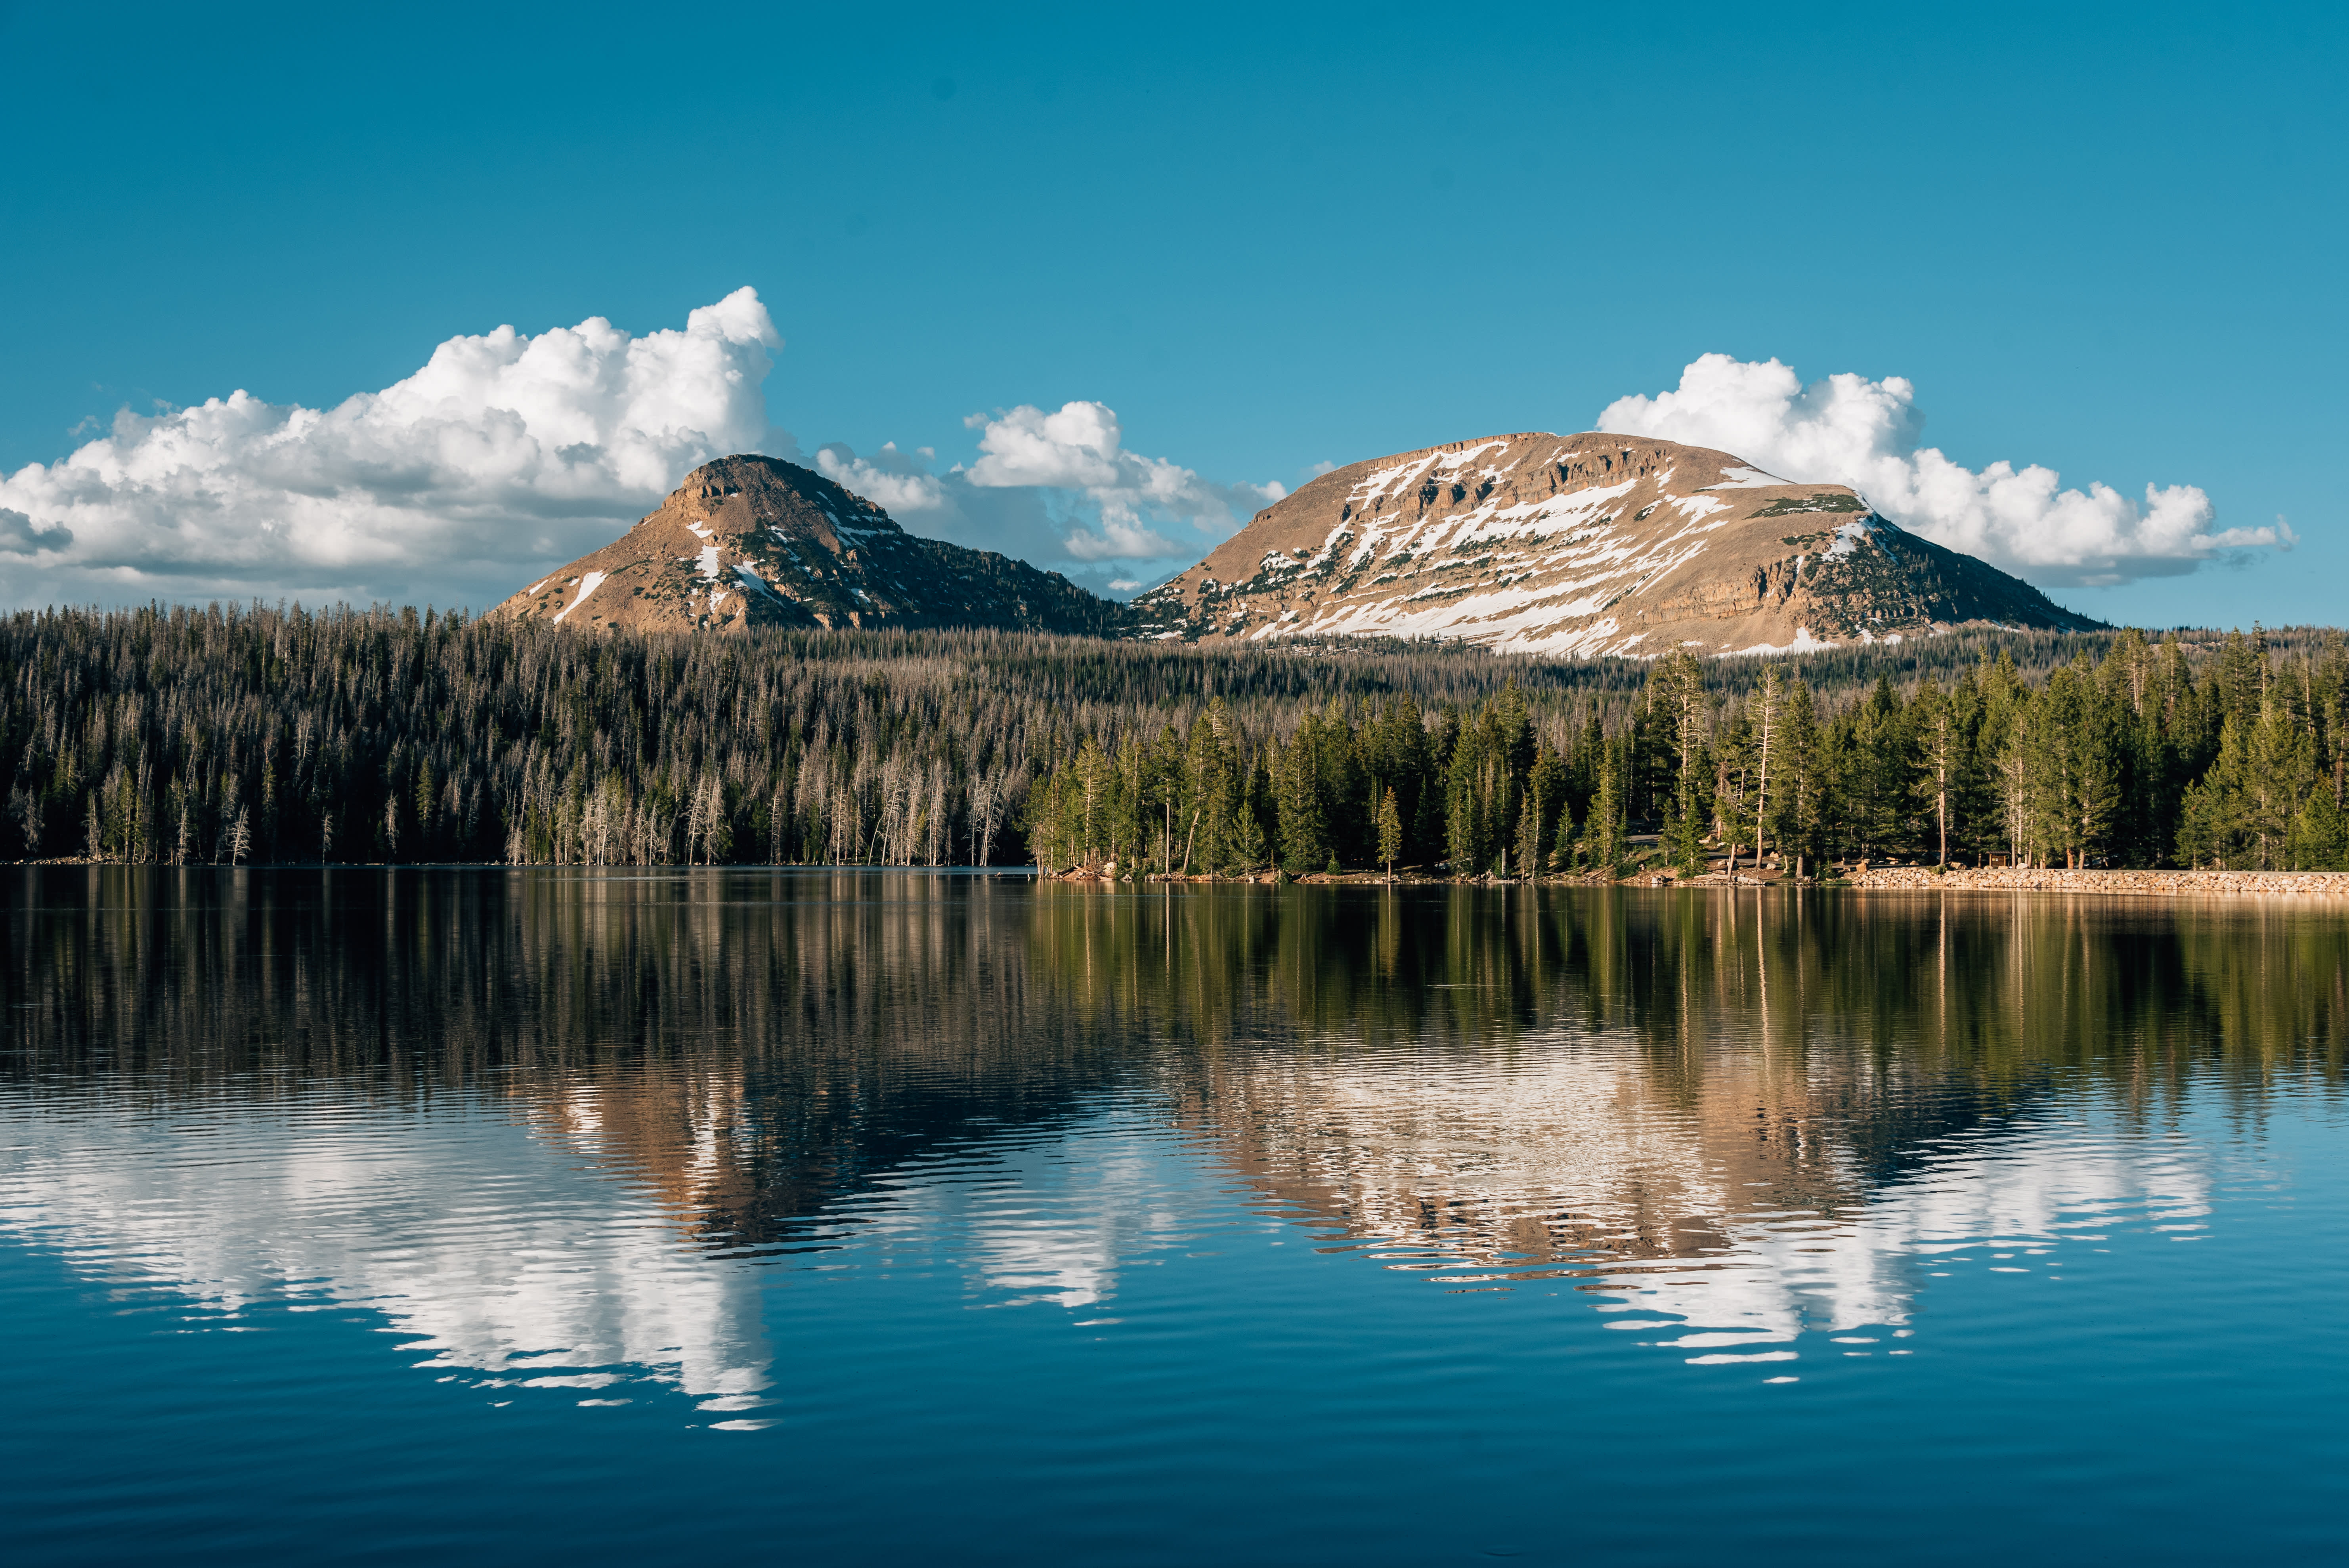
261 734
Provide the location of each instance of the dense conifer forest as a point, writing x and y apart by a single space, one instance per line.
183 735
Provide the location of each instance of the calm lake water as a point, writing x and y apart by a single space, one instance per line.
556 1215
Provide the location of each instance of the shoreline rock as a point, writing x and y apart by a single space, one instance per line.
1880 878
2153 885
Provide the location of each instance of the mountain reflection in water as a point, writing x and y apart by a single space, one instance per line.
554 1125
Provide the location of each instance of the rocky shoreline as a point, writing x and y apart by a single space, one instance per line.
2156 884
1865 879
1879 879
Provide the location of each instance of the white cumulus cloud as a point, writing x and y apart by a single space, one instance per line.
896 482
1058 489
1076 448
1122 539
506 454
1081 448
1847 429
503 451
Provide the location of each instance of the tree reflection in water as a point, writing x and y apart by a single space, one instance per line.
1743 1114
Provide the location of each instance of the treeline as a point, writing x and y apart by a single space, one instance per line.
217 736
2133 758
184 736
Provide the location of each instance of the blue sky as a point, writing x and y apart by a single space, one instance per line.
2102 240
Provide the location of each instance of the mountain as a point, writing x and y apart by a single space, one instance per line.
1578 545
750 541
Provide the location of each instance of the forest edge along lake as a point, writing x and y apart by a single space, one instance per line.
188 737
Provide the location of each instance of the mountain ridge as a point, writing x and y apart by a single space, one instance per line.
1570 546
1584 545
750 541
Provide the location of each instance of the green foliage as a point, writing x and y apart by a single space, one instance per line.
275 735
1390 829
1606 837
1684 832
2319 840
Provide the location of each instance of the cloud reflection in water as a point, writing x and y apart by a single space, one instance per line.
567 1133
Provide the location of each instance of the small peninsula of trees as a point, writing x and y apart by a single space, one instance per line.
184 736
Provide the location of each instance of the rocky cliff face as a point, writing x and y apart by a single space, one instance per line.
756 542
1580 545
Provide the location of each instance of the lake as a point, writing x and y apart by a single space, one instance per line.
561 1215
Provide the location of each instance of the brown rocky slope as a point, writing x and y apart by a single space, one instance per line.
1581 545
751 541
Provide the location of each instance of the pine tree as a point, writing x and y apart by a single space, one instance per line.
2318 839
1304 823
2210 815
1939 750
1605 834
1880 768
1246 846
1563 848
1764 723
1797 814
1684 830
1732 784
1390 829
1527 850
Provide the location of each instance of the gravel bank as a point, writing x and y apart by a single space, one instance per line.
2159 884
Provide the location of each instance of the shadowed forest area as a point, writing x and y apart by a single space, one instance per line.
181 736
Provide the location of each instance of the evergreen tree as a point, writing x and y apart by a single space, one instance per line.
1297 792
150 736
1565 846
1606 835
1766 724
1684 830
1939 752
1878 768
1798 812
1527 854
1390 829
2319 839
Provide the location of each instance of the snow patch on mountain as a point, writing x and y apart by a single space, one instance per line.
1575 545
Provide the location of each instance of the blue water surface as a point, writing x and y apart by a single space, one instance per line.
535 1217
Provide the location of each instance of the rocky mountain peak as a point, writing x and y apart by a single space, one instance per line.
1580 545
750 541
